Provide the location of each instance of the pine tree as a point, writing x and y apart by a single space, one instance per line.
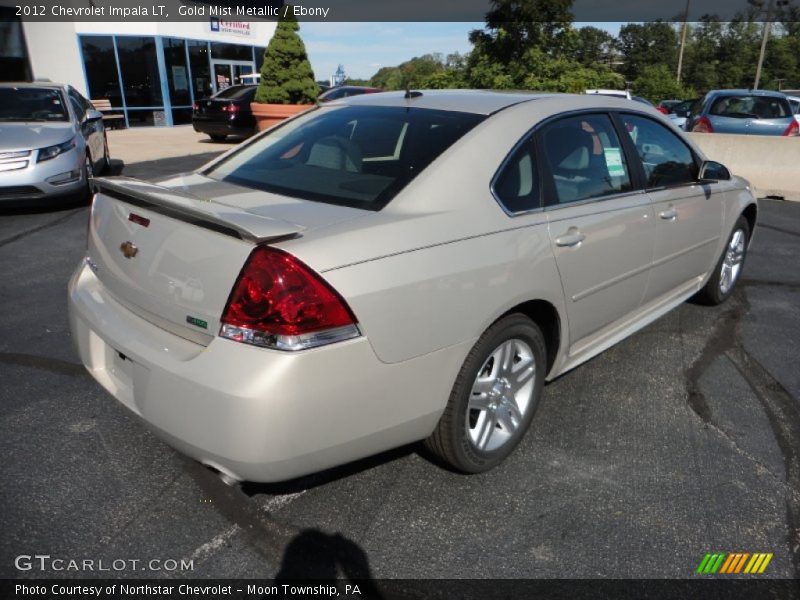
286 75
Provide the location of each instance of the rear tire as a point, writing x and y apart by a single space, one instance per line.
494 397
217 137
728 269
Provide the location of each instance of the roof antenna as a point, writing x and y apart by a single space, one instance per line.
409 94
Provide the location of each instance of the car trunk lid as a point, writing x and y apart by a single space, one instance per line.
170 256
750 126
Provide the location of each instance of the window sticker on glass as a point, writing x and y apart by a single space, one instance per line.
614 162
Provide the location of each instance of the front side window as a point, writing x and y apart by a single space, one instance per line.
585 158
666 159
77 105
359 156
516 186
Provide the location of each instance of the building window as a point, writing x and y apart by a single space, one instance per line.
201 69
14 64
177 72
100 64
139 66
231 52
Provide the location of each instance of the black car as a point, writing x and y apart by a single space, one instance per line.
226 113
345 91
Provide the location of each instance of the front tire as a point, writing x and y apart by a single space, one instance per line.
88 174
494 397
106 158
217 137
722 282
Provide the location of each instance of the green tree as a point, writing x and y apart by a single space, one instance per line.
413 73
286 75
647 44
515 26
593 46
658 82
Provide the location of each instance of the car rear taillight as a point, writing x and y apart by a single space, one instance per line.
663 110
278 302
793 130
703 125
195 107
231 108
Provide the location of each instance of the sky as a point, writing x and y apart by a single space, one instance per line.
363 48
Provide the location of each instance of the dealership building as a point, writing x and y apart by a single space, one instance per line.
151 72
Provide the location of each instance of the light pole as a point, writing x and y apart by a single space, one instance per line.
683 39
765 37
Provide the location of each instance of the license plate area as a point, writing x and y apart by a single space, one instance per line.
119 369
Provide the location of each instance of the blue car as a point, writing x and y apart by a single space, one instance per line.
750 112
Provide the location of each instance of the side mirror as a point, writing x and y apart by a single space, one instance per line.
92 115
711 172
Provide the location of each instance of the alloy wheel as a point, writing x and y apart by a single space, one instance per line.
732 263
501 395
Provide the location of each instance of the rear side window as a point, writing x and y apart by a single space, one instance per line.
359 156
750 107
666 159
516 186
585 158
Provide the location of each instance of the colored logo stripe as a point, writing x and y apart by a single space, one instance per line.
734 563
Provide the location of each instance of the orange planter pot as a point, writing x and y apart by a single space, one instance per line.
268 115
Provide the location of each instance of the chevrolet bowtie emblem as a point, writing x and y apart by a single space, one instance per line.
128 249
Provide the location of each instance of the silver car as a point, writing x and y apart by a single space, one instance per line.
51 143
396 267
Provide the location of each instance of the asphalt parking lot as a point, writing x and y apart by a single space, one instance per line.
679 441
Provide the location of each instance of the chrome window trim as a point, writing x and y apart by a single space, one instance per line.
598 199
543 207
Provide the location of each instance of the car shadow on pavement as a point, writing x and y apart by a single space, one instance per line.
231 140
43 206
328 559
314 480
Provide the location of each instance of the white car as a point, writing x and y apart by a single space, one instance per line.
52 141
607 92
396 267
794 102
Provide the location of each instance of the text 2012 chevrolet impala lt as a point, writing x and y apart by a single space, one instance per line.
396 267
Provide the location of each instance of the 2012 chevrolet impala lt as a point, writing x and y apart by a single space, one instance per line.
396 267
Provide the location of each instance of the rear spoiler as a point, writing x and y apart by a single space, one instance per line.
227 220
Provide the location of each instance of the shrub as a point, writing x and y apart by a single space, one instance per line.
286 74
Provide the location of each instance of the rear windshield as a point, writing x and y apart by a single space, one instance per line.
751 107
359 156
32 104
235 92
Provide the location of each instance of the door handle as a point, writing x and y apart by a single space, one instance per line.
573 237
669 215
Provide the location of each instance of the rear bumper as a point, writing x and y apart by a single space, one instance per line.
238 126
257 414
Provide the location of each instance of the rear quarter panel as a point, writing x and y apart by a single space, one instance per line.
418 302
